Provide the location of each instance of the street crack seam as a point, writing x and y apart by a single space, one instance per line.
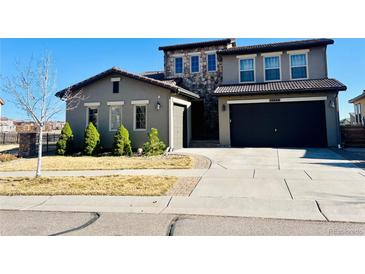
308 174
41 203
91 221
320 210
171 227
288 189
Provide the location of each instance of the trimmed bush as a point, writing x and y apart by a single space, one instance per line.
154 146
64 143
91 140
122 143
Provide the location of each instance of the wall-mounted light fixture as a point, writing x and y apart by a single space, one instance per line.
158 104
332 103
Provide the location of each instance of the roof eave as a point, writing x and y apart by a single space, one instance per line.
197 44
279 92
238 50
106 73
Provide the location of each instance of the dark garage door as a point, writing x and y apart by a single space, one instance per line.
294 124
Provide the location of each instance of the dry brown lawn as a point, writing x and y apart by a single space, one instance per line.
103 185
99 163
5 157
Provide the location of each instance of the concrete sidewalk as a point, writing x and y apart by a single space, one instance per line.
212 206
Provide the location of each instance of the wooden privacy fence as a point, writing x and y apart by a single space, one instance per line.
353 136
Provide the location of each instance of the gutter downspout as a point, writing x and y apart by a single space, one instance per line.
339 141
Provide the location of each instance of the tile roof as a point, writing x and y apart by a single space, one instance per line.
301 44
361 96
281 87
198 44
118 71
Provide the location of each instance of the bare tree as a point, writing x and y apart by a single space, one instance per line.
33 89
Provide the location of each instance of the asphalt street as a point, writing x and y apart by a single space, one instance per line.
42 223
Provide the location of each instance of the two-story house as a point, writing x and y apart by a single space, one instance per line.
264 95
278 95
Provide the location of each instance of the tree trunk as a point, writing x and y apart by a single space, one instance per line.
40 147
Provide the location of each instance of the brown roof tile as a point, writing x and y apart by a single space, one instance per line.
301 44
118 71
312 85
197 44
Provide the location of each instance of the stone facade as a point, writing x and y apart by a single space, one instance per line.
202 83
27 144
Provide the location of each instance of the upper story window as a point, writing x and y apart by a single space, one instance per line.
194 64
212 62
247 70
272 68
115 87
179 64
298 66
115 82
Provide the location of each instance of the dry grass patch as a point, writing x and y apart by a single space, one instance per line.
103 185
5 157
100 163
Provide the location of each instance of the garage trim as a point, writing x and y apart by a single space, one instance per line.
173 101
274 100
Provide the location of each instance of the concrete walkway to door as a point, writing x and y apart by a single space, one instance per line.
335 185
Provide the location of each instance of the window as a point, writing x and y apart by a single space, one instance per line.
247 70
212 62
272 68
194 64
298 63
178 65
93 116
115 117
140 117
358 118
115 87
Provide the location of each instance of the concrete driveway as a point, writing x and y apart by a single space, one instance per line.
319 175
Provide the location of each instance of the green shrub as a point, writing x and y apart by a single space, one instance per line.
154 146
64 143
91 140
122 143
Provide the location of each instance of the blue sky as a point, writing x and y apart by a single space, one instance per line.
78 59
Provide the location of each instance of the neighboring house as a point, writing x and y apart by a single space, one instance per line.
7 125
359 107
264 95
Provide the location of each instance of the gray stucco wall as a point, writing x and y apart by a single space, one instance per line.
332 118
129 89
317 66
